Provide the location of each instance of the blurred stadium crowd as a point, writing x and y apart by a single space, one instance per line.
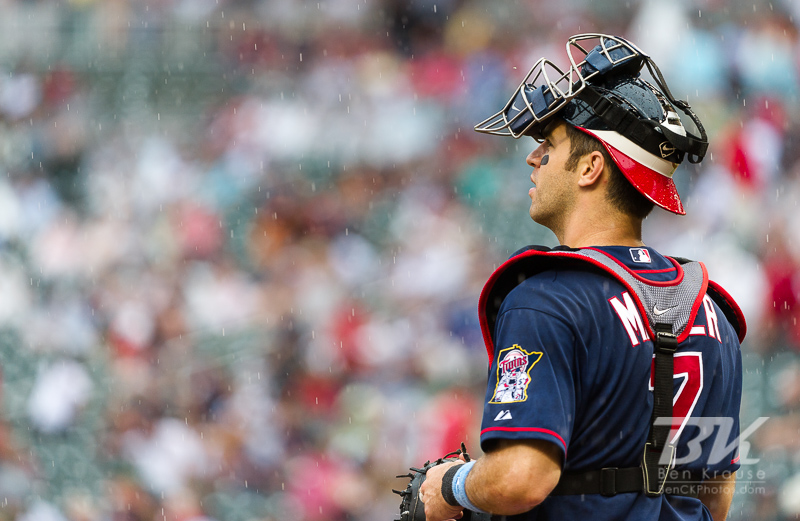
241 242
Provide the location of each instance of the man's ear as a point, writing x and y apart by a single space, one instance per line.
590 169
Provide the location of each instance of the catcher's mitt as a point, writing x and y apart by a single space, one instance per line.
411 508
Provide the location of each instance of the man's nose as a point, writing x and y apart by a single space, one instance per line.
534 159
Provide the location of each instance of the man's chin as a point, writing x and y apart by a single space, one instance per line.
539 217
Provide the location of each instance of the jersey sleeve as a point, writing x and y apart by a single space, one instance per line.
531 389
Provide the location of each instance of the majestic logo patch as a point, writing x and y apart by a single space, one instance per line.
513 374
503 415
666 149
640 255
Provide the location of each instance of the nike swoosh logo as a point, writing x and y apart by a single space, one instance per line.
658 312
514 106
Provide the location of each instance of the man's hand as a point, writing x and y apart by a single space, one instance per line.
436 508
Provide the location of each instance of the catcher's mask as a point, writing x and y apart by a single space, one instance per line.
602 94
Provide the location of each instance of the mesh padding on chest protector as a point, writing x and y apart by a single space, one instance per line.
667 303
675 303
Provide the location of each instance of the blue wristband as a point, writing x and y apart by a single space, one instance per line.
459 488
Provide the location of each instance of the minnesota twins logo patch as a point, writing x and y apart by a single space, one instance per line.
513 374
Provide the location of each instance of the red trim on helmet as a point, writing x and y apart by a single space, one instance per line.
656 187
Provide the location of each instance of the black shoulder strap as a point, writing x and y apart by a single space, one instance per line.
655 467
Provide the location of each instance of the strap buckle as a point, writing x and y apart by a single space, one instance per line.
654 480
608 481
601 106
666 341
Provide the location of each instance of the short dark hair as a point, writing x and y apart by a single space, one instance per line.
620 191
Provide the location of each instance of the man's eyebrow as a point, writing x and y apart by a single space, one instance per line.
549 137
547 131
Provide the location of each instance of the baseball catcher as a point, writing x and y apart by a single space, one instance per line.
608 360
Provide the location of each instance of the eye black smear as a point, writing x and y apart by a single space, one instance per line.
545 159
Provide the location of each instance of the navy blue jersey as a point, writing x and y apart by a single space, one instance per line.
572 364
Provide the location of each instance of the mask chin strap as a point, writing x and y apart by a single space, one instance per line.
647 133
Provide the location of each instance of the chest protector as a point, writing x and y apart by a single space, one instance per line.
670 308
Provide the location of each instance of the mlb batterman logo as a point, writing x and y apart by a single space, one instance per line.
641 255
513 374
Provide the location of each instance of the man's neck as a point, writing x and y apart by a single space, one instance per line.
607 230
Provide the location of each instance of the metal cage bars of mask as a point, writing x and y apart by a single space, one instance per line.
611 53
543 100
531 105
